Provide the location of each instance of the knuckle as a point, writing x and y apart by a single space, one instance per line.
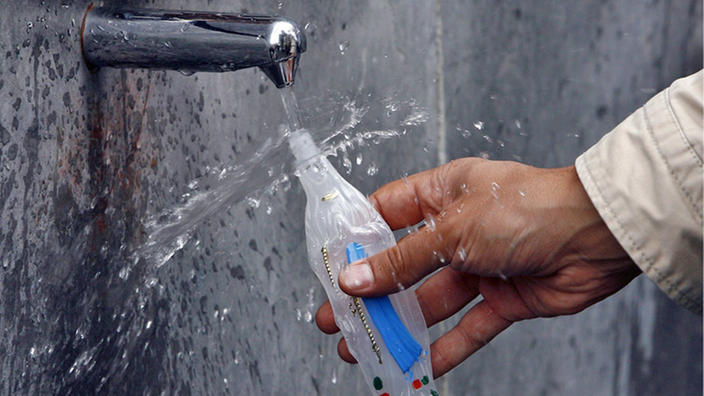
441 362
430 316
396 264
472 341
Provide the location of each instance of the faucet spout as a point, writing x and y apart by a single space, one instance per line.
192 41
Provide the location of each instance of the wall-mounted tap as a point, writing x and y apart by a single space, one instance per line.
192 41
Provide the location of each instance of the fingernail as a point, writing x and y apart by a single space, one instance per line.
357 276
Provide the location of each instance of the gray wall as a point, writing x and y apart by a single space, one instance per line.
86 160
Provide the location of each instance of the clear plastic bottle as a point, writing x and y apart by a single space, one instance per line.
386 335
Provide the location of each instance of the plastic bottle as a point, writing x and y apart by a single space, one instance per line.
387 335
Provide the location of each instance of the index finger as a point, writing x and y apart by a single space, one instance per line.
405 202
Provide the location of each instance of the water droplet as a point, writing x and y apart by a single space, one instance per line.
358 160
186 72
334 376
280 6
168 44
518 123
462 253
185 27
479 125
310 306
253 202
523 194
347 164
430 222
465 132
439 257
124 273
372 170
311 29
495 189
344 44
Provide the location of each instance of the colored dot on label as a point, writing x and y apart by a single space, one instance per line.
386 394
425 380
378 384
417 384
433 393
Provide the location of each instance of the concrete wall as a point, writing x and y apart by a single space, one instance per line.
87 160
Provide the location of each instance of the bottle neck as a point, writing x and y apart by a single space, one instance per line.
318 177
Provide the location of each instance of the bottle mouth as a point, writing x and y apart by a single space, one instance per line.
303 147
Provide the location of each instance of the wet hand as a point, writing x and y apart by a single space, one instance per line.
528 240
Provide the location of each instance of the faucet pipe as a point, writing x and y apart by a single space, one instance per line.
192 41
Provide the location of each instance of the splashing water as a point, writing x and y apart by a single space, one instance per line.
269 168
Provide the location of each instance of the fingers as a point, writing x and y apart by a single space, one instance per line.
416 256
325 319
440 297
398 204
344 352
403 203
479 326
445 293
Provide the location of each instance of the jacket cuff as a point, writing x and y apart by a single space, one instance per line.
645 180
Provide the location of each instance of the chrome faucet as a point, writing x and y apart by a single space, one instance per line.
192 41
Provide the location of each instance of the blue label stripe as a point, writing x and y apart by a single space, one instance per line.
401 345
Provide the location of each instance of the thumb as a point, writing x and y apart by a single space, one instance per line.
398 267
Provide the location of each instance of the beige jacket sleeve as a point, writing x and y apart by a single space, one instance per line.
645 179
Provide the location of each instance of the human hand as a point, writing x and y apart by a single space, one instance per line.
528 240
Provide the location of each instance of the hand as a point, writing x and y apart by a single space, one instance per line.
528 240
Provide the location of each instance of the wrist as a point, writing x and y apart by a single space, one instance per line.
590 238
